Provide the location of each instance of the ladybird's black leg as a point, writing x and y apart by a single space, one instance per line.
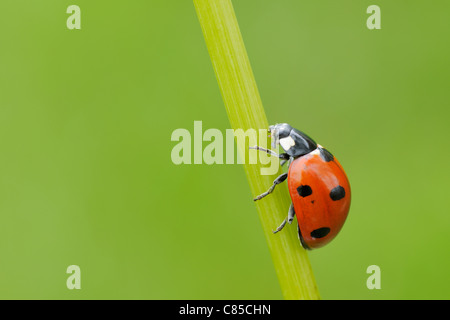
283 156
289 218
291 213
278 180
281 226
288 161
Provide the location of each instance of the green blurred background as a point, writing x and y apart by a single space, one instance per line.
86 176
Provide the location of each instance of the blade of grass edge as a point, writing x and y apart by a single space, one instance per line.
244 108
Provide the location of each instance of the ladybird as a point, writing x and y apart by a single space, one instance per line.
318 186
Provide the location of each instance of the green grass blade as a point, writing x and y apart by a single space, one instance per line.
245 110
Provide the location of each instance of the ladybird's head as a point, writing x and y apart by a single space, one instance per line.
294 142
279 132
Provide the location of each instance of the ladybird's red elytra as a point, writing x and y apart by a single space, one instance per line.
317 183
327 203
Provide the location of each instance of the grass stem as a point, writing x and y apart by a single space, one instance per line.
245 110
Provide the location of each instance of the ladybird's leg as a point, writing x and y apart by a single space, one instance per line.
291 213
278 180
288 161
289 218
283 156
280 227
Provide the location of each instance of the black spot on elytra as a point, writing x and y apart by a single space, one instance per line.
320 233
326 155
337 193
304 191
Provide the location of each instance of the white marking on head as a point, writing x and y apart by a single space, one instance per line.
287 143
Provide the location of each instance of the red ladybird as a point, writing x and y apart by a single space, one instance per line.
317 183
